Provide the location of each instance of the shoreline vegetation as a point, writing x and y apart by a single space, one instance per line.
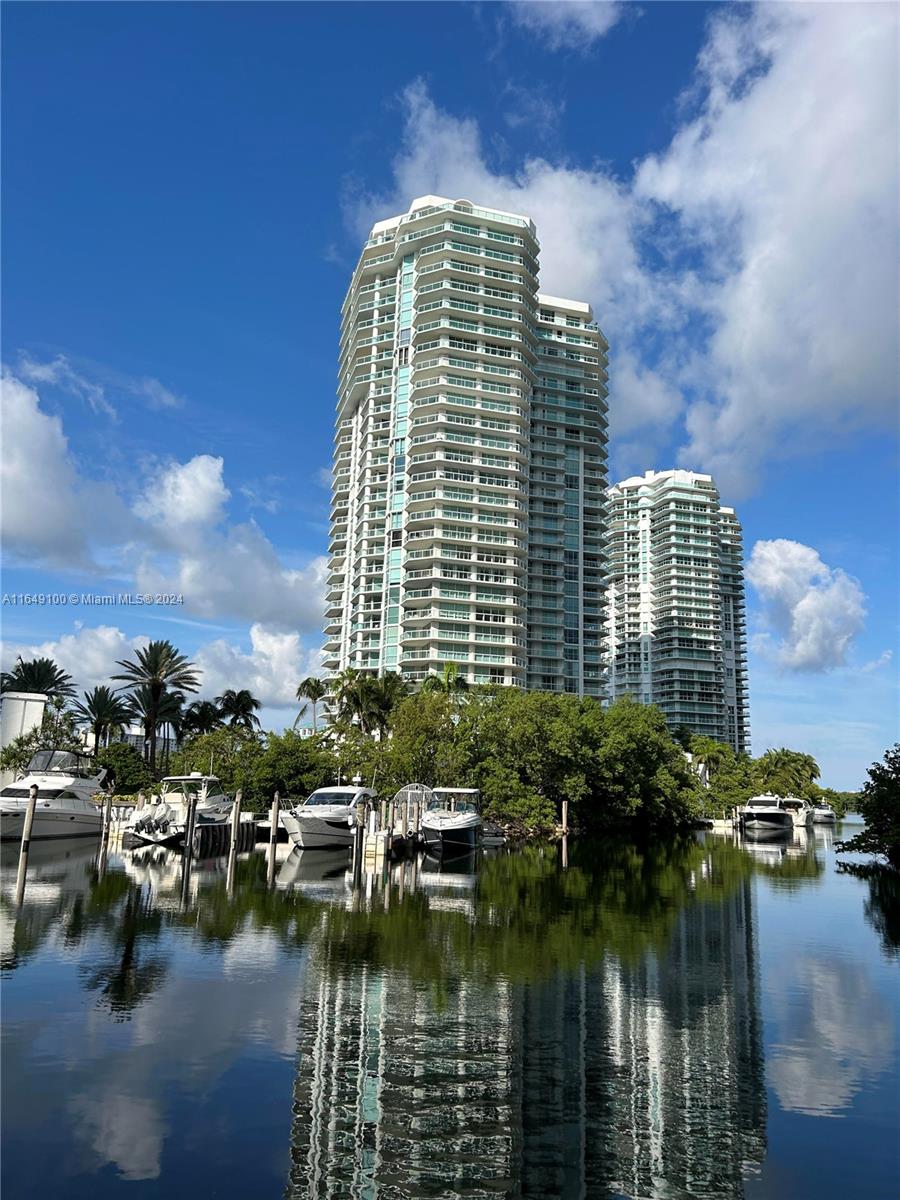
618 768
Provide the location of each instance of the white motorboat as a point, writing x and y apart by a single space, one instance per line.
67 784
766 816
164 820
452 821
801 811
823 814
326 818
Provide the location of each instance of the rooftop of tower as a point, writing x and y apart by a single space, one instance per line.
439 202
673 475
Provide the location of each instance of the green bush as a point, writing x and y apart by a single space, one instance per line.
129 771
879 805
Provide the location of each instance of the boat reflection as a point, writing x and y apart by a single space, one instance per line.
319 874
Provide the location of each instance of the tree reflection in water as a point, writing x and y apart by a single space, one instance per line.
516 1027
882 908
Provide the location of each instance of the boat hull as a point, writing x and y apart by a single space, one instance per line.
318 833
451 840
824 819
767 824
49 823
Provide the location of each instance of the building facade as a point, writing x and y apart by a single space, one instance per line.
675 633
470 459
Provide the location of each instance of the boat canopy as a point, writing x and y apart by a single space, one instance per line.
63 762
458 800
185 785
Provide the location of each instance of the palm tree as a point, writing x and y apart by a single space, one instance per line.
201 716
808 765
239 707
312 691
152 714
343 688
356 698
158 668
38 675
449 681
785 770
103 711
384 694
714 754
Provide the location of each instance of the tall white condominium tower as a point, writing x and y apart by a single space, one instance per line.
470 459
675 633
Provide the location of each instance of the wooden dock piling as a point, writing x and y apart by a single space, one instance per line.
26 842
273 838
235 838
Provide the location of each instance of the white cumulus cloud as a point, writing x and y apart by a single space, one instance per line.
185 494
275 663
88 654
567 24
176 538
814 610
236 572
272 669
746 275
786 184
47 512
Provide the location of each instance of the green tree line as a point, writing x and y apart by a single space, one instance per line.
528 752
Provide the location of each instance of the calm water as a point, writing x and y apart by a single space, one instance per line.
700 1020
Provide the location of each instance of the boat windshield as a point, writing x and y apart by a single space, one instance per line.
766 802
346 798
62 761
458 804
181 789
792 803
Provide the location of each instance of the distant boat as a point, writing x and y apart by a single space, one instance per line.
823 814
164 820
452 821
766 816
67 784
326 818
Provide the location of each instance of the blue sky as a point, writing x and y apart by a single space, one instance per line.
185 191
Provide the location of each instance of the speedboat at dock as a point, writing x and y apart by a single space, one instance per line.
766 816
327 818
452 821
164 820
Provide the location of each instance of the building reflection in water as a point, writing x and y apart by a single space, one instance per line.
633 1074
